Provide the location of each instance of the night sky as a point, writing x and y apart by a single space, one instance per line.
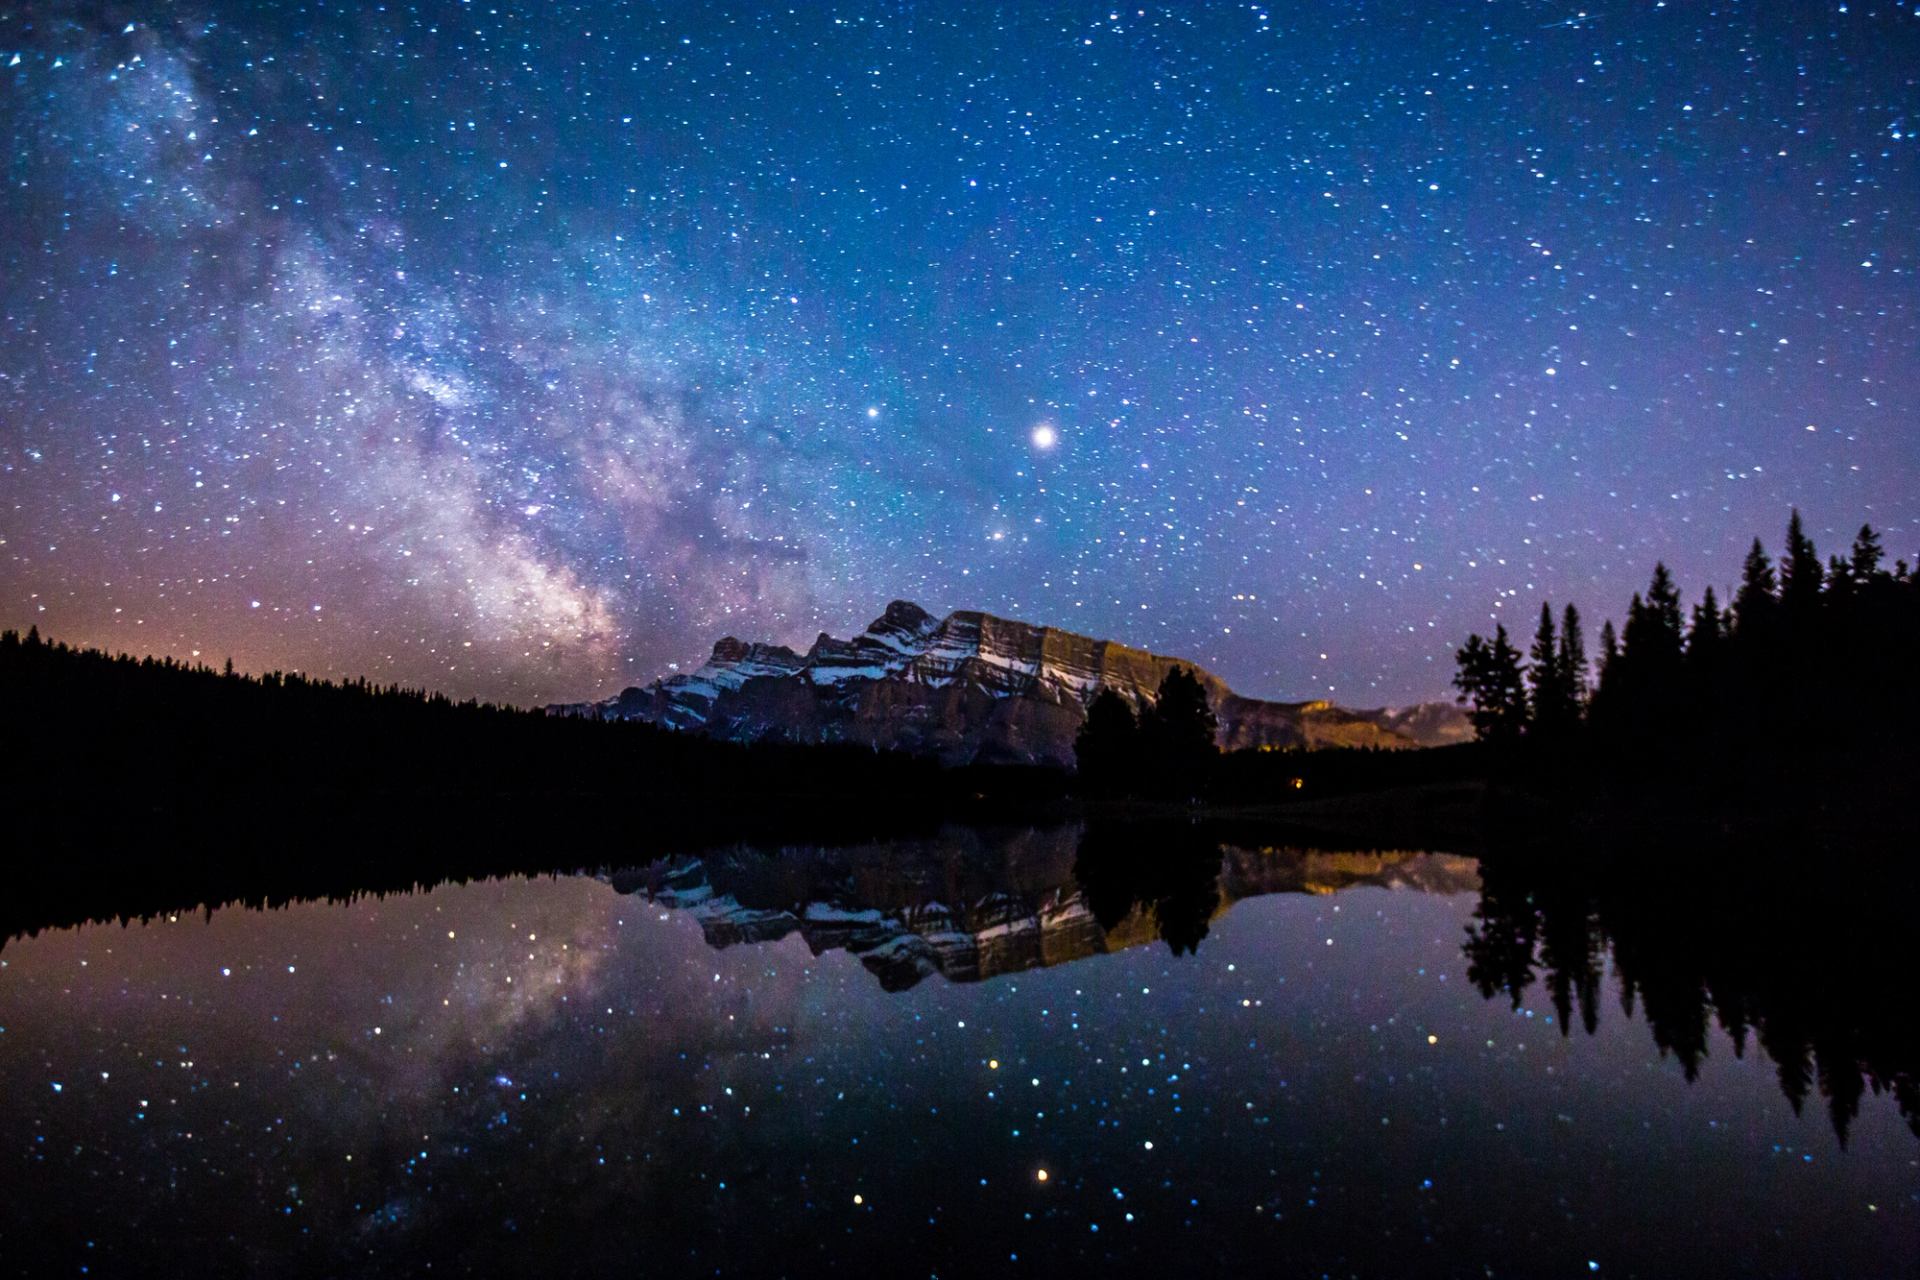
522 351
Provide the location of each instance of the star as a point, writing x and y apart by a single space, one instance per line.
710 328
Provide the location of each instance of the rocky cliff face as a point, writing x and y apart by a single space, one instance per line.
971 687
1431 724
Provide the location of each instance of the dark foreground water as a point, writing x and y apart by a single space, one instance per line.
948 1057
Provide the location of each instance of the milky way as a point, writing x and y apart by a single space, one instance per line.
521 351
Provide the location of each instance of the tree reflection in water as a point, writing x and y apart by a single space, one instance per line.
1169 869
1817 974
1816 968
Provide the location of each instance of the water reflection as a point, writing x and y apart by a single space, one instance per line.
753 1061
1815 989
1766 949
970 904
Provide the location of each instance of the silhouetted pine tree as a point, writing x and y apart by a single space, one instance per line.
1864 564
1543 676
1573 661
1108 745
1557 677
1640 696
1707 636
1609 649
1757 600
1177 732
1800 575
1489 679
1798 690
191 742
1660 638
1839 584
1708 682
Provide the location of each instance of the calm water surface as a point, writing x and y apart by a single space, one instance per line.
947 1057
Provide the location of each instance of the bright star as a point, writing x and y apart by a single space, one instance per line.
1045 437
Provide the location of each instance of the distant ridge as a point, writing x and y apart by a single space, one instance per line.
975 688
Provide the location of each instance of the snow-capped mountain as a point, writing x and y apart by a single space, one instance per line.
974 687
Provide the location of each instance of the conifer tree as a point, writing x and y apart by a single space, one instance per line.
1864 564
1754 603
1706 637
1490 681
1573 660
1108 745
1839 581
1542 674
1177 732
1800 575
1636 621
1554 707
1663 631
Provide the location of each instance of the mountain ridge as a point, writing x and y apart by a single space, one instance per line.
976 688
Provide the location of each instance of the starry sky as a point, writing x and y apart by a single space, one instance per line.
522 351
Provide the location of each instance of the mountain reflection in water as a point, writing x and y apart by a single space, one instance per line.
1816 990
970 905
807 1060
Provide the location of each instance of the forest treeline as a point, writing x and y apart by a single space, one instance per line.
1803 689
1802 692
1164 751
98 740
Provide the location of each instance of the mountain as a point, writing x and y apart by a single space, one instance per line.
972 687
1430 724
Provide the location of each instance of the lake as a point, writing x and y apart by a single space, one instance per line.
1031 1051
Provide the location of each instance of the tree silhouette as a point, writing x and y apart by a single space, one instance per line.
1724 703
1489 679
1814 970
1757 600
1654 631
1177 734
1863 566
1189 894
1557 676
190 745
1108 745
1550 717
1170 868
1573 661
1800 574
1707 636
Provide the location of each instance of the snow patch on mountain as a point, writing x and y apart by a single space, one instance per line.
973 687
